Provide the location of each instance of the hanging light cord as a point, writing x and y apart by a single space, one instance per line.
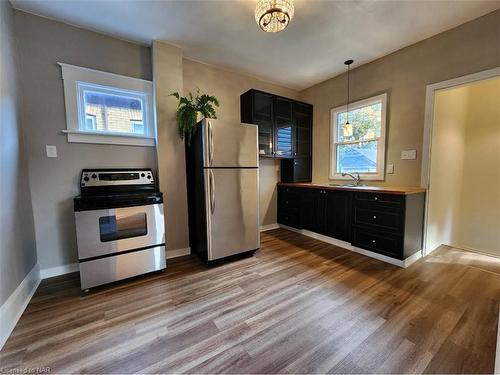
348 97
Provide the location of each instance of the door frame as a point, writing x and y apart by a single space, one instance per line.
428 126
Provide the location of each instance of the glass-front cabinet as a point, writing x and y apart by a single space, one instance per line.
264 118
285 131
284 128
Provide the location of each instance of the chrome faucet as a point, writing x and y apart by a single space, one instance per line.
356 178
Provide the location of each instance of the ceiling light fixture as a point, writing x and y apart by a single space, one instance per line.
273 15
347 130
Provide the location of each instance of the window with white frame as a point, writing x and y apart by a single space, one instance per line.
358 139
107 108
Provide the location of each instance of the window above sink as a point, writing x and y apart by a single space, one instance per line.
359 147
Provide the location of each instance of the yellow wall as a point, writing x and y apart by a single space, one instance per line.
404 75
167 77
464 193
480 208
446 167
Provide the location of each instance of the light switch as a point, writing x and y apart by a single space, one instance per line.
390 168
51 151
408 154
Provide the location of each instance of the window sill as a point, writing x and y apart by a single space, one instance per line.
75 136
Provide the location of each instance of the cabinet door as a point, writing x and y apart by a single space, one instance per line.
303 130
309 199
301 169
338 214
284 128
264 118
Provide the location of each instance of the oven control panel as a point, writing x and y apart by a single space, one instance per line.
116 177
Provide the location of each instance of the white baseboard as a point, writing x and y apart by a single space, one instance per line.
263 228
13 308
59 270
178 252
478 251
346 245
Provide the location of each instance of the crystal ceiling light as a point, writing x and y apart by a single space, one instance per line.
273 15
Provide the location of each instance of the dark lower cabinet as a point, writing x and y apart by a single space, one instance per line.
384 223
322 211
338 214
384 243
289 207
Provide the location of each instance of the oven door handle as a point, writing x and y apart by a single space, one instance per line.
212 191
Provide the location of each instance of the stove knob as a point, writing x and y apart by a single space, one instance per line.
149 176
86 178
142 174
94 176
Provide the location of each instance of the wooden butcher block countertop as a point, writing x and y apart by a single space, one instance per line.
368 189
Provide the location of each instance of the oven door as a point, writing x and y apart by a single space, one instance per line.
110 231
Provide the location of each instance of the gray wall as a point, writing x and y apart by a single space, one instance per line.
17 235
54 182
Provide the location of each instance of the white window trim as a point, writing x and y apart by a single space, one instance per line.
376 176
72 75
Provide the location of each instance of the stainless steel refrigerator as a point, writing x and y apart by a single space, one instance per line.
222 168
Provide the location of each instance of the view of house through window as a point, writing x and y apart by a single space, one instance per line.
108 112
358 146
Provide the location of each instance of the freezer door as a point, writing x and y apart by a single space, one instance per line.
227 144
232 211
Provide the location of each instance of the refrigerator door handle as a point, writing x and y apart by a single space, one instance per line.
210 144
212 192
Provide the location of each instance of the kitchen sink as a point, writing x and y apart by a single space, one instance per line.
347 185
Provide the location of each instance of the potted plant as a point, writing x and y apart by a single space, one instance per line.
189 108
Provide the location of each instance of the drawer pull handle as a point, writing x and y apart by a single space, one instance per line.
374 216
286 202
373 241
375 198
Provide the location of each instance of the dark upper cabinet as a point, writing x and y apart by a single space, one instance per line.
258 108
285 131
303 130
299 169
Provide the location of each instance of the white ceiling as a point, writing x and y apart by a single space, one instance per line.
322 35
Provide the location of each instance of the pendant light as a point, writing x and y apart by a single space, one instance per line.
347 129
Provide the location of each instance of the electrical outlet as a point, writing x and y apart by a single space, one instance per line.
408 154
51 151
390 168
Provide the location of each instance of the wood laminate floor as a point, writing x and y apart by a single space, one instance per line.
298 306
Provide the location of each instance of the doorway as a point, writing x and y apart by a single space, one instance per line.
461 166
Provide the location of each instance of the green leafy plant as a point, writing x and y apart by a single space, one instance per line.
188 109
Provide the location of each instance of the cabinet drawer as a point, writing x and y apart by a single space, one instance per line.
380 199
391 219
381 242
288 196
